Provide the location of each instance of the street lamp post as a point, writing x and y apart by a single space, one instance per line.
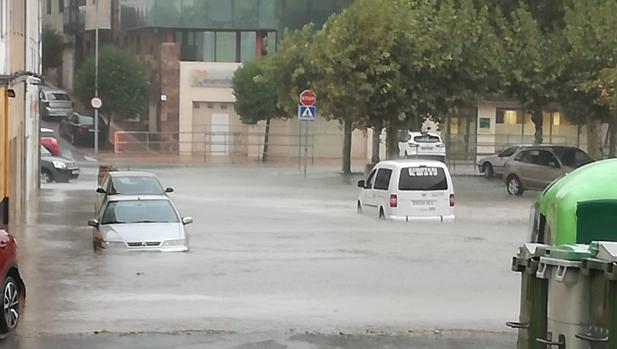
96 79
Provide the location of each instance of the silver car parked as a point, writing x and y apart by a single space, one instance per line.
55 104
534 168
140 223
493 165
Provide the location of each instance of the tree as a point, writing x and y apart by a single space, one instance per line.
52 48
123 83
534 64
256 95
593 59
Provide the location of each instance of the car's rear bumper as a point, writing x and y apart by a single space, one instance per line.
449 218
57 113
65 175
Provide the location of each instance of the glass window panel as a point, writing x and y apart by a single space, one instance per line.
225 46
206 46
248 46
268 15
220 13
245 14
271 43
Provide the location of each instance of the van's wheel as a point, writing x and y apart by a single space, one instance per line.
514 186
359 207
488 170
382 215
46 176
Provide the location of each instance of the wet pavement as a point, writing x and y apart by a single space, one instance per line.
274 256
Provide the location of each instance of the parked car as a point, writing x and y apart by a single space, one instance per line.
13 286
79 128
533 168
57 168
408 190
129 183
424 145
49 141
55 104
493 165
140 223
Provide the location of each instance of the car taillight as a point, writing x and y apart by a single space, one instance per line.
393 200
452 200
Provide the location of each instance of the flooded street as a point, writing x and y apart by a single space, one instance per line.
277 254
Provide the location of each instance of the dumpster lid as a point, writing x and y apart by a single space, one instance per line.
575 252
604 250
530 250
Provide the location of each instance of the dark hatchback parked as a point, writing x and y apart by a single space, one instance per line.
56 168
79 129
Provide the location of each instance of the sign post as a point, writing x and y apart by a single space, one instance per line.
307 113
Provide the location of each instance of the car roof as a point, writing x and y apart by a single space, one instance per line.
551 146
48 90
412 162
138 197
131 174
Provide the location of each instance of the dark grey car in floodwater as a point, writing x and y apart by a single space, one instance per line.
57 168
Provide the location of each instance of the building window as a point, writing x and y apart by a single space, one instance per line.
60 6
225 47
223 106
509 117
48 7
248 45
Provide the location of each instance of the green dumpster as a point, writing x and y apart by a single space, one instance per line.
568 296
533 303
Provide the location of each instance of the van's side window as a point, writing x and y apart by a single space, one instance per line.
369 181
382 181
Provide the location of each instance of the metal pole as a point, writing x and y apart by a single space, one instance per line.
306 129
96 79
299 145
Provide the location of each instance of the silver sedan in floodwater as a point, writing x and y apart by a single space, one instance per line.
140 223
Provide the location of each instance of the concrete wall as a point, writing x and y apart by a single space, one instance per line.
52 17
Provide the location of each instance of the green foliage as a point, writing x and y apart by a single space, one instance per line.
255 91
52 48
291 68
123 83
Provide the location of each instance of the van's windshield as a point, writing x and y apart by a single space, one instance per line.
422 178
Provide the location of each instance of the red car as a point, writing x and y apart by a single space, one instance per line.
50 142
13 287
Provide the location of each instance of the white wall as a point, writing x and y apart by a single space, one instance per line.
3 30
31 107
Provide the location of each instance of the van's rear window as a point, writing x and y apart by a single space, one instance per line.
422 178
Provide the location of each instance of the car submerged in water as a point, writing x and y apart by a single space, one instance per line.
578 208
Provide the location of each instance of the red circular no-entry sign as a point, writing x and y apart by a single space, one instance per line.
308 98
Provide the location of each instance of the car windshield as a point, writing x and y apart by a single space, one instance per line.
139 211
133 185
427 139
423 178
86 120
45 152
57 96
572 157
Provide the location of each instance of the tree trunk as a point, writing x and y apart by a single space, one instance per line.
376 144
392 150
347 129
593 143
538 121
612 134
264 156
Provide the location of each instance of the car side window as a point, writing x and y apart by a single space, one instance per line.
508 152
528 156
382 180
369 181
546 158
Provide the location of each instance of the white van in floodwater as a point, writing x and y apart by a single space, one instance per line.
408 190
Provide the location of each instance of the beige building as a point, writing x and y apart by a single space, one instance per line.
19 136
